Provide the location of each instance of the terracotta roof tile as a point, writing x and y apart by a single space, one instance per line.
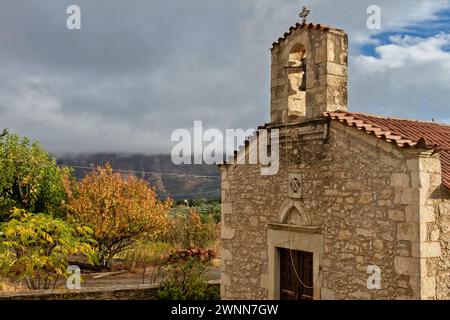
298 25
404 133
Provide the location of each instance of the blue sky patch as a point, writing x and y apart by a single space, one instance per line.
423 30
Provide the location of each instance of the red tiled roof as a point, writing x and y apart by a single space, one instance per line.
404 133
305 25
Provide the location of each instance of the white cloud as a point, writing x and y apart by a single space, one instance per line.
406 50
30 108
411 77
272 18
138 71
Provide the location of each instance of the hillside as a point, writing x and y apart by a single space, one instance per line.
149 167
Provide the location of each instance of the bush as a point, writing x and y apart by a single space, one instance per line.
189 231
120 210
29 178
35 248
6 285
144 255
187 281
203 255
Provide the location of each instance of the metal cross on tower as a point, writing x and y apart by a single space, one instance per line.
304 14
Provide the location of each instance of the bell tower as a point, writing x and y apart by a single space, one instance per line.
309 72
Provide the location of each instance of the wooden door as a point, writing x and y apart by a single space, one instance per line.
290 286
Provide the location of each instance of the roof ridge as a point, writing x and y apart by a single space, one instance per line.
404 133
388 132
397 118
309 25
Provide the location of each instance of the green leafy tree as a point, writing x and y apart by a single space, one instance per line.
29 178
35 248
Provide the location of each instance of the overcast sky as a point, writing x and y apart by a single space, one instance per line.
139 69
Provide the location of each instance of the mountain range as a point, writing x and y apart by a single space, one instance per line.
170 180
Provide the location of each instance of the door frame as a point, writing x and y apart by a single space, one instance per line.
298 239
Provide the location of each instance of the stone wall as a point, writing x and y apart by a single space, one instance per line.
132 292
439 267
367 197
434 232
141 292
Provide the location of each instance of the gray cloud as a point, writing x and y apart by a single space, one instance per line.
137 71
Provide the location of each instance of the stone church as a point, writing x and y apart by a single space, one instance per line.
360 206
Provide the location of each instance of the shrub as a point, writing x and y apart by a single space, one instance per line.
119 209
210 210
203 255
35 248
29 178
144 255
187 281
189 231
6 285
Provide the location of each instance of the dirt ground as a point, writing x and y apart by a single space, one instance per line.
126 279
119 275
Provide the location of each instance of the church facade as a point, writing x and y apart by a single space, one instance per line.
360 206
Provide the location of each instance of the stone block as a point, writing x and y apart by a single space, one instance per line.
225 254
412 213
328 294
430 165
264 281
225 279
397 215
403 248
444 209
227 233
400 180
427 214
407 266
415 249
225 185
415 285
428 288
408 231
365 197
434 234
345 235
364 232
431 250
227 208
413 164
337 69
378 244
405 195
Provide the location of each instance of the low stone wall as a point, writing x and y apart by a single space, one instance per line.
134 292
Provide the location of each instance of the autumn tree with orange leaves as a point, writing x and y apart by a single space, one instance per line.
120 209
